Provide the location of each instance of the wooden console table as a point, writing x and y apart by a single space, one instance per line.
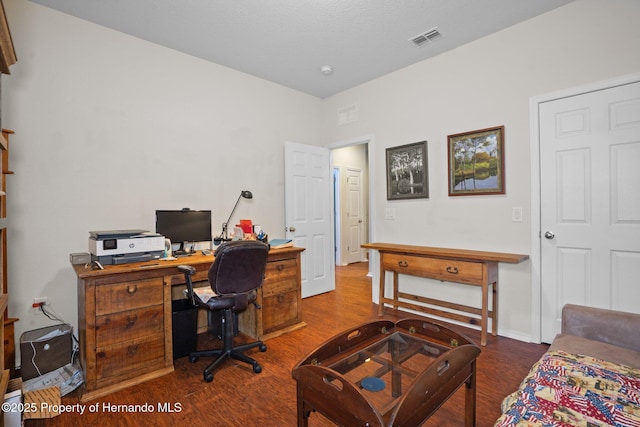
125 315
477 268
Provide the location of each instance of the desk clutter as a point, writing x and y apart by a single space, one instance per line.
178 233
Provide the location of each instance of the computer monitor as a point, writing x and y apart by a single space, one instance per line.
184 225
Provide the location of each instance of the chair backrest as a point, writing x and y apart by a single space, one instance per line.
238 267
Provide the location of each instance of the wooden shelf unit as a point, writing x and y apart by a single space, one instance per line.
7 342
8 339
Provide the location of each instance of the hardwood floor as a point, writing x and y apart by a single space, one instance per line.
238 397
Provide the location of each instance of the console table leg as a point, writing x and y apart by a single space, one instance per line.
381 292
395 289
494 310
484 321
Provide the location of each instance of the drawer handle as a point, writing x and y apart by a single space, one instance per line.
133 349
452 270
280 299
280 267
132 288
131 320
403 263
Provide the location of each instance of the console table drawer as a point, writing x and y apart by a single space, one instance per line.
128 325
441 269
129 295
133 356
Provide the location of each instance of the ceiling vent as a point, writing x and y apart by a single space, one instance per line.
426 37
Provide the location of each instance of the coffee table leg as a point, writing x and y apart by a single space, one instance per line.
470 398
303 416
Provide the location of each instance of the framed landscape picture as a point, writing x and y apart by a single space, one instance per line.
476 162
407 174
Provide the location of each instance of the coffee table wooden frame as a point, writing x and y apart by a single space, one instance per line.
322 389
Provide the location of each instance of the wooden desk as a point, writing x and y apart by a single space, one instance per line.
125 315
477 268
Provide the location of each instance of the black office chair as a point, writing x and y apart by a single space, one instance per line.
235 275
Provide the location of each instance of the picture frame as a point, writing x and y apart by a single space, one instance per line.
476 162
407 171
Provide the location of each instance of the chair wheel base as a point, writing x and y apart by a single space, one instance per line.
257 368
262 348
208 377
193 359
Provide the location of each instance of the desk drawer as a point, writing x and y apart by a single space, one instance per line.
280 277
129 295
117 327
279 311
134 356
441 269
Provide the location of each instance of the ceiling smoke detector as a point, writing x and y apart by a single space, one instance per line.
326 70
426 37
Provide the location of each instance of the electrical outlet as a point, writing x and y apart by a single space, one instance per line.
40 300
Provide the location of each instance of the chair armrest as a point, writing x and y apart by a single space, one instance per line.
189 271
609 326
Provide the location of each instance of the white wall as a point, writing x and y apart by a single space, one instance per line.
483 84
110 128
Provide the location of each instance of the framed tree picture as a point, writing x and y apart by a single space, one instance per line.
476 162
407 174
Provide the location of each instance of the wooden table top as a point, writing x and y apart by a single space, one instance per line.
463 254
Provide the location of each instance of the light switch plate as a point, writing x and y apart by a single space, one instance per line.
390 213
516 214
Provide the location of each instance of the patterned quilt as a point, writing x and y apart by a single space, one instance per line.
565 389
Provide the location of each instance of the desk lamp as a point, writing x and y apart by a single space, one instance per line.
246 194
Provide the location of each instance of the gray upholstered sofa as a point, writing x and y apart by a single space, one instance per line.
590 376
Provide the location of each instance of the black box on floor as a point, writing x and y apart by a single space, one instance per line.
44 350
185 325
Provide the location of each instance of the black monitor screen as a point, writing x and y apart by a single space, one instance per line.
184 225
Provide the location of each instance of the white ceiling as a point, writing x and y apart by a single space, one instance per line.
287 41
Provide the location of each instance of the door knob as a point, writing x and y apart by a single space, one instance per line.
549 235
292 229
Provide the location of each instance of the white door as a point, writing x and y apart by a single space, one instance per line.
590 202
353 217
308 188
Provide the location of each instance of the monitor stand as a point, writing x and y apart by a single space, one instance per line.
181 252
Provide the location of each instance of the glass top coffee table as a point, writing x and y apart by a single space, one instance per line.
384 373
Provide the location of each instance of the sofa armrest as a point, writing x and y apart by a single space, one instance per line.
609 326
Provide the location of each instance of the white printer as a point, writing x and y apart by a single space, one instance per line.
124 246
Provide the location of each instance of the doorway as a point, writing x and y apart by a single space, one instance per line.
350 165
